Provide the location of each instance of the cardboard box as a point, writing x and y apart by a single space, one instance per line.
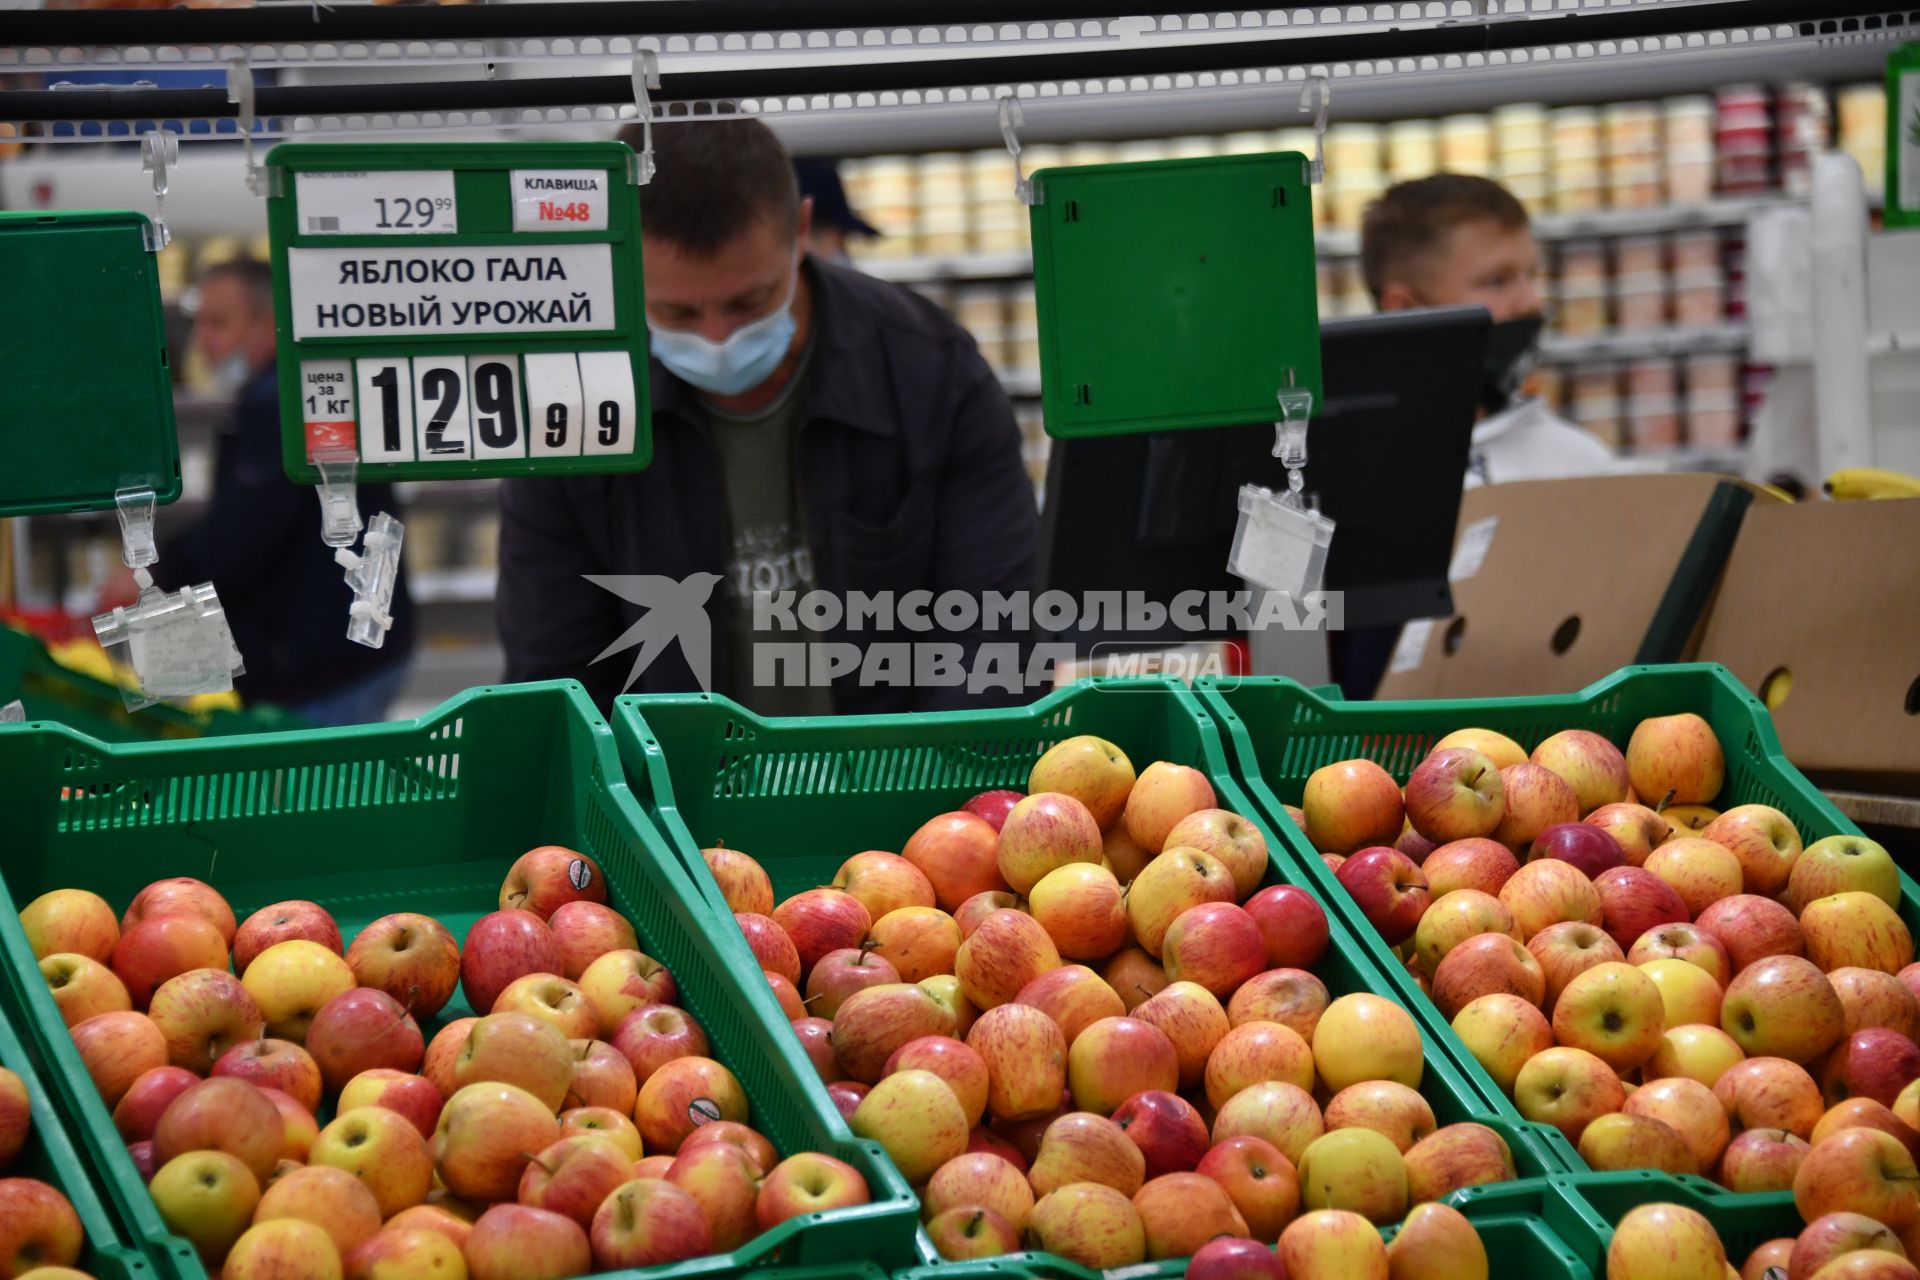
1819 614
1557 583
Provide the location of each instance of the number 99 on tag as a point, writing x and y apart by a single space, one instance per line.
481 407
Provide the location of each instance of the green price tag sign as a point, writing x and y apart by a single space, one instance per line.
459 310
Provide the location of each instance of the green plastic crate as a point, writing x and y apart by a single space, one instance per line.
1745 1222
1282 732
49 691
50 1156
421 816
803 794
1534 1228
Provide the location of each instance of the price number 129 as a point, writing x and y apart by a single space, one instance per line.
409 213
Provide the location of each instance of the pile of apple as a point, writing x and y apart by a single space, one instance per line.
1683 990
40 1235
1661 1241
1077 1023
576 1123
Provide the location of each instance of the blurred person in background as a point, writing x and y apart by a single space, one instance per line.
1455 240
259 542
834 222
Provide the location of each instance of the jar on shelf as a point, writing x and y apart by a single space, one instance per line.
1639 301
1638 184
1691 174
1713 420
1688 122
1347 194
1694 251
1575 132
1578 190
1699 297
1639 256
1713 374
1632 129
1353 148
1413 149
1594 400
1466 145
944 228
1653 423
1652 378
943 178
1580 310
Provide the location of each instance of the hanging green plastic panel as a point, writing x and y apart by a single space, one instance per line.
1174 293
83 361
457 310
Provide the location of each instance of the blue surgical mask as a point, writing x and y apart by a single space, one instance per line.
742 361
230 375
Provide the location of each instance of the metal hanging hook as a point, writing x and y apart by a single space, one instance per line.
1013 118
646 76
1318 84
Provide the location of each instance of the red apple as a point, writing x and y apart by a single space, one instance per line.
1634 901
514 1242
743 882
38 1228
82 987
221 1115
1415 845
202 1013
416 1098
1568 949
574 1175
156 948
1675 760
958 853
770 946
1537 799
808 1183
1586 846
842 972
992 806
1293 923
274 1064
1216 945
1752 928
1226 1258
117 1049
1351 805
822 920
1591 765
70 922
846 1095
585 931
140 1108
181 895
1638 829
411 957
1390 891
1456 794
883 882
1761 1160
1171 1135
502 946
1690 942
1875 1063
1487 964
360 1030
297 918
1480 864
1259 1180
1238 843
816 1041
1044 832
875 1022
1163 794
542 879
655 1034
1074 996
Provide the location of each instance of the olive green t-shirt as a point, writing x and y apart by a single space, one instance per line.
769 552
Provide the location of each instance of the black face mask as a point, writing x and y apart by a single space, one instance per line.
1513 347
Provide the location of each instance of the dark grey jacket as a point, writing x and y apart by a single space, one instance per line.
910 478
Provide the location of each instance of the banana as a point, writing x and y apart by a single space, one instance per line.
1872 482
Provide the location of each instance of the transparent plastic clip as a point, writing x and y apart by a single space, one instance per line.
14 712
260 180
1013 118
371 574
1281 539
1321 86
339 506
646 76
165 644
159 152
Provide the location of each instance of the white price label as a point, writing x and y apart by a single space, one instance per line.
326 404
386 409
606 381
499 425
181 651
554 405
1471 551
507 288
1412 647
440 408
559 199
402 202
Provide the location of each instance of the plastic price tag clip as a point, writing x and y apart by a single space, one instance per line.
372 574
1322 87
339 506
173 644
14 712
159 151
1013 118
646 76
1281 540
260 180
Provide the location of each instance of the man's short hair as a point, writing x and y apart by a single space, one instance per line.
713 180
250 274
1413 218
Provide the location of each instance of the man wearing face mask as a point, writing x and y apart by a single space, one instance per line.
1454 240
259 541
813 429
